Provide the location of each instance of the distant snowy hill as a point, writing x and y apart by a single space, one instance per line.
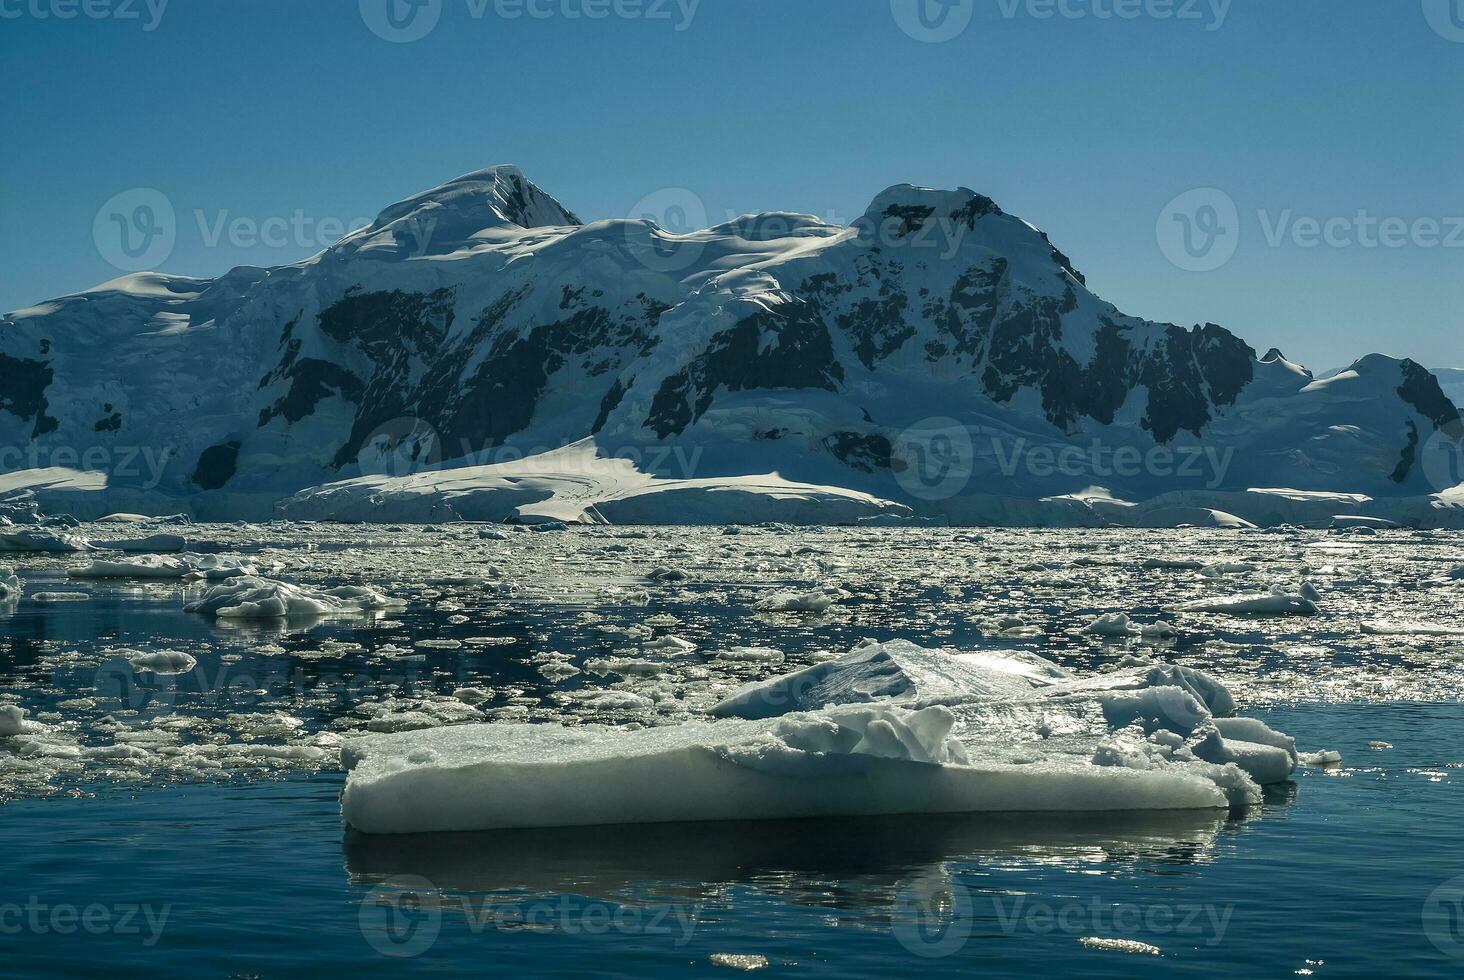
479 352
1452 381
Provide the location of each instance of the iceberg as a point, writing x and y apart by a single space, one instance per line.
886 729
9 582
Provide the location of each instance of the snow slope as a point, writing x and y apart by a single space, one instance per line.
938 354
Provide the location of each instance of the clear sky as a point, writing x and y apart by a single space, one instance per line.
1087 117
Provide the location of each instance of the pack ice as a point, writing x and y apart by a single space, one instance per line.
888 728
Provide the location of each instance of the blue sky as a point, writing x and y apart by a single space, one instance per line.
268 123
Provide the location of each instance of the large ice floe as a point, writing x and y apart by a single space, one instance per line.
253 597
38 539
886 729
185 565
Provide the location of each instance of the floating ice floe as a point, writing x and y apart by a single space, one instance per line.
160 661
153 543
817 601
1377 627
1221 569
888 728
1120 625
39 539
165 567
13 722
1174 563
9 582
251 597
1277 602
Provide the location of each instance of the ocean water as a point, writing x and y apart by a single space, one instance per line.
189 824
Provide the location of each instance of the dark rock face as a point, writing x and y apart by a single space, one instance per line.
869 453
785 347
1409 455
1204 367
23 384
476 389
1421 390
216 465
1009 338
501 395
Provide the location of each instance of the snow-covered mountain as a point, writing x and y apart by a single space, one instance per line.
480 352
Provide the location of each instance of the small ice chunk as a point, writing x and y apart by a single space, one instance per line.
1326 757
9 582
1221 569
1113 624
1377 627
669 644
558 670
12 721
161 661
1120 945
753 655
816 601
738 961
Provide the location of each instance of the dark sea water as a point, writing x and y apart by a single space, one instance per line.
1333 876
158 865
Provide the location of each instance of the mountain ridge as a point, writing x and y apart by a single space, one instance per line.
482 316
